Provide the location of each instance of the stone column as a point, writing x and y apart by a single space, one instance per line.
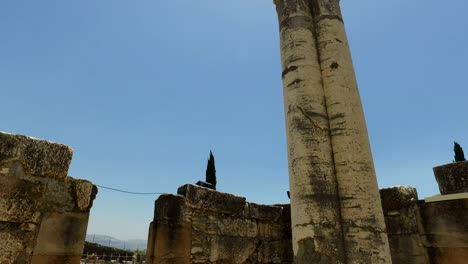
362 216
315 215
331 170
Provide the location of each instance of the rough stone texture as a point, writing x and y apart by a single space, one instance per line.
445 223
336 213
315 208
190 229
38 157
83 194
419 232
403 221
43 213
425 232
452 178
211 199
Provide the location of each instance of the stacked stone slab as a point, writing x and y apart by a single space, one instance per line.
335 204
200 225
43 212
404 225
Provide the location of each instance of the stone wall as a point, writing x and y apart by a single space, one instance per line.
423 232
200 225
43 212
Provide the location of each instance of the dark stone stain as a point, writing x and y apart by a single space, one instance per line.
339 40
287 70
334 65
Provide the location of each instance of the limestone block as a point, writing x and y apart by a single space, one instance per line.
398 197
171 208
39 157
445 223
232 226
16 242
229 249
84 194
452 177
20 199
212 200
205 221
59 195
271 252
173 243
265 212
200 250
62 234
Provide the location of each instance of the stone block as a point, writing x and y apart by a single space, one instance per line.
62 234
234 226
445 223
212 200
171 208
173 243
452 178
59 196
398 197
39 157
404 221
16 242
20 199
229 249
85 192
265 212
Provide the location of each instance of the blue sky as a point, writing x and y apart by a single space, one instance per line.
142 90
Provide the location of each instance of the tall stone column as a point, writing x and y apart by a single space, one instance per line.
314 202
327 136
362 216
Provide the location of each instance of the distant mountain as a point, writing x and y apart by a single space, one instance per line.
130 244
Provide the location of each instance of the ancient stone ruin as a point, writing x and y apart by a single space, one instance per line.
200 225
337 213
43 212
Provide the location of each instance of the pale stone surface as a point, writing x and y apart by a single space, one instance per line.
202 197
314 200
42 211
62 234
39 157
361 211
404 225
20 199
83 192
195 230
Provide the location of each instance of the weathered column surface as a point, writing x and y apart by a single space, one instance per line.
314 202
43 212
362 216
327 137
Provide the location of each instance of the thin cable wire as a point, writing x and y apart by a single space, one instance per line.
123 191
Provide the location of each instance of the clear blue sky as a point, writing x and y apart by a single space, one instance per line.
142 90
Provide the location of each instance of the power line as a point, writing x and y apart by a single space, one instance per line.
123 191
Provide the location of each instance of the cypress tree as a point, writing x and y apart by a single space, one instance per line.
459 155
211 171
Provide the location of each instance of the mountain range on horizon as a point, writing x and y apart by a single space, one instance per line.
109 241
